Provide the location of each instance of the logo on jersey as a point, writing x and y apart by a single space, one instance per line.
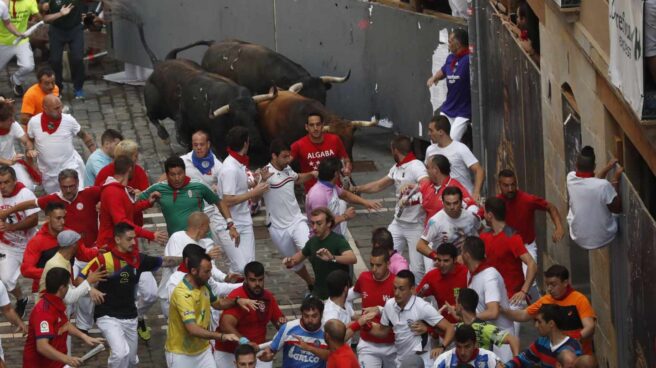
44 327
79 206
205 164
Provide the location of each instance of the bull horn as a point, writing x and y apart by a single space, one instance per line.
329 79
266 97
328 128
220 111
296 87
364 123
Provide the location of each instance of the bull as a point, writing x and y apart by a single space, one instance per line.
285 117
258 68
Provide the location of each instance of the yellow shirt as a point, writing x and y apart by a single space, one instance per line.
188 305
56 261
19 13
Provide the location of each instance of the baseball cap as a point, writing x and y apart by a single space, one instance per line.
67 238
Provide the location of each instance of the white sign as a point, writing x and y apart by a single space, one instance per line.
627 50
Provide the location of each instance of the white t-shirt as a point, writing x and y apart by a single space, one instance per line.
18 239
416 309
489 286
174 248
409 173
591 224
234 181
282 207
4 296
460 158
4 11
7 150
56 150
334 311
442 228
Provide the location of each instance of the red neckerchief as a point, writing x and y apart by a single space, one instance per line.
568 291
409 157
33 172
459 55
17 189
585 174
131 258
478 270
48 125
183 268
243 159
523 35
56 302
473 357
175 191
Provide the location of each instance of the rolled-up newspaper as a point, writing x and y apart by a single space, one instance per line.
28 32
92 352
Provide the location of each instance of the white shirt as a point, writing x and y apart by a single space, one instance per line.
409 173
7 150
416 309
4 11
442 228
460 158
18 239
4 296
211 180
485 359
489 286
234 181
591 224
55 151
334 311
174 247
282 207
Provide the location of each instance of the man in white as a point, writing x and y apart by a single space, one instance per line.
10 131
233 190
14 19
488 284
336 307
52 133
15 231
592 202
198 225
287 226
409 215
403 313
461 158
451 225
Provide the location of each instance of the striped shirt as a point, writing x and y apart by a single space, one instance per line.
293 356
544 354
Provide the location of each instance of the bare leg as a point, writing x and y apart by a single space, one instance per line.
305 275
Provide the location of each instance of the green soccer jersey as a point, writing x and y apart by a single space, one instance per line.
337 245
19 13
487 334
178 204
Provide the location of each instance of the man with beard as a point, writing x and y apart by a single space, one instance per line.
450 225
33 98
467 353
188 334
250 326
301 340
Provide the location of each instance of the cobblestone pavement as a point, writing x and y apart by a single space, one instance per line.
121 107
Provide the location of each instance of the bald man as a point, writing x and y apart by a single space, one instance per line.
341 354
52 133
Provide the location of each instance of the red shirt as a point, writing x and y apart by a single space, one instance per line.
444 288
139 181
343 357
520 213
253 324
117 206
46 320
309 154
431 196
374 294
502 252
81 213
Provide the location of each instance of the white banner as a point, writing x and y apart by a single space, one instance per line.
627 50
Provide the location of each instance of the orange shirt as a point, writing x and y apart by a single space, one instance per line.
33 99
577 306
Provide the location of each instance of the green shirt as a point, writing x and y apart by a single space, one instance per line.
20 12
178 205
73 18
487 334
337 245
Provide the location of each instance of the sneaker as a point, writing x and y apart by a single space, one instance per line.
16 88
20 307
143 330
79 94
308 292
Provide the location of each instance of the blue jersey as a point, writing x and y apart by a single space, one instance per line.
484 359
458 94
293 356
543 354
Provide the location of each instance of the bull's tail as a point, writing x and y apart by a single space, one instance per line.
173 54
142 37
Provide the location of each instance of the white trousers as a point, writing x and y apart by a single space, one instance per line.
406 234
227 360
84 307
534 291
10 266
202 360
290 240
24 60
121 335
241 255
375 355
458 127
146 293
